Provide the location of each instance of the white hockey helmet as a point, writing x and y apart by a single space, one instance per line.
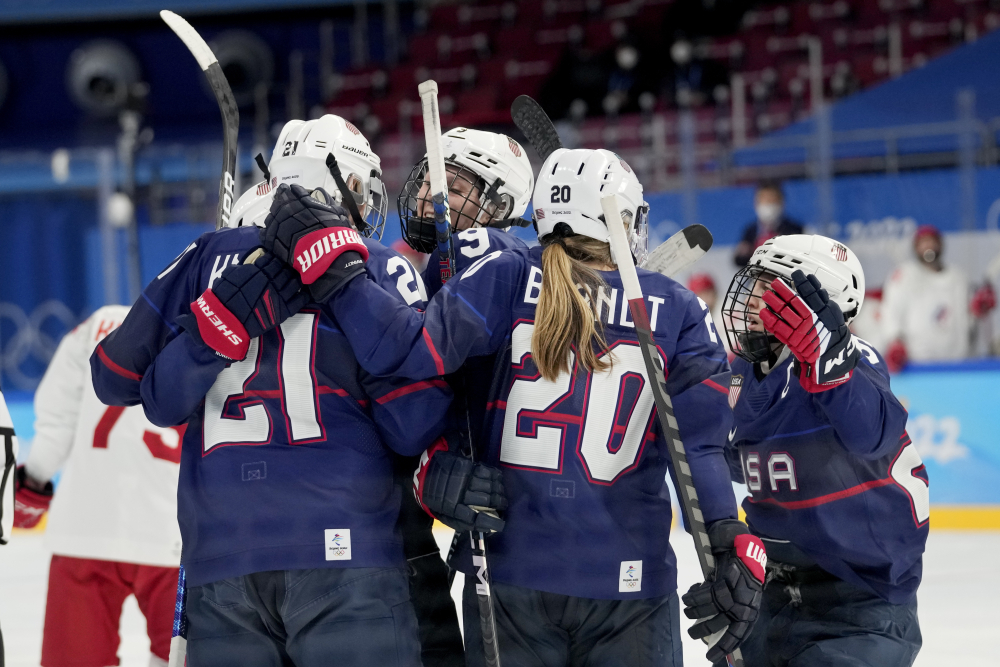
498 174
253 205
570 186
834 264
300 156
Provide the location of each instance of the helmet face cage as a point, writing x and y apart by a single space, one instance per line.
377 207
468 198
639 239
372 205
754 346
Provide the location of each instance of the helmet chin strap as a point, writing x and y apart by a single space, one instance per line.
263 166
345 193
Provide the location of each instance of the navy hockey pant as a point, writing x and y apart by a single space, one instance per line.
349 617
440 637
537 629
812 619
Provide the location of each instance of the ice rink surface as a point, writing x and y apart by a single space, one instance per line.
958 601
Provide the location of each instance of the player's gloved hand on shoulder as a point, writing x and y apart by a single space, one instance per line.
813 328
246 301
31 499
730 599
312 234
461 494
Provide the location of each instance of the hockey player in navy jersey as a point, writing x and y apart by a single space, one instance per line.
286 499
306 165
583 570
489 186
837 490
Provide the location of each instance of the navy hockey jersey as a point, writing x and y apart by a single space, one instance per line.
470 245
583 458
834 473
284 462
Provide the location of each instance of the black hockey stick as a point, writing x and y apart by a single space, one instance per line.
531 119
687 496
227 106
227 196
437 178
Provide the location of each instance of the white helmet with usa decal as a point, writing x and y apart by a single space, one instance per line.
835 265
569 189
300 156
489 181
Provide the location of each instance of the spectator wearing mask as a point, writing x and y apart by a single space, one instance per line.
927 312
769 205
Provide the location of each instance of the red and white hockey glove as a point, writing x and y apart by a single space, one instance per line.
30 505
813 328
983 301
896 356
245 302
461 494
315 238
730 598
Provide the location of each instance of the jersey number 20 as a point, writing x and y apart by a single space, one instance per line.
534 436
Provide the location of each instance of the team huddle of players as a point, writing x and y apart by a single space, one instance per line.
331 400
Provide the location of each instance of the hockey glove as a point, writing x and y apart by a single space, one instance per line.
30 504
813 327
315 238
246 301
896 356
983 301
730 598
461 494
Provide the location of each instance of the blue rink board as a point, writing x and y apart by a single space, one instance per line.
954 423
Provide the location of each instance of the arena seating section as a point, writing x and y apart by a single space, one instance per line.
484 54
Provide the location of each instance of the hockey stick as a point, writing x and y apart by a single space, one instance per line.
227 106
227 195
437 177
531 119
686 493
178 637
679 251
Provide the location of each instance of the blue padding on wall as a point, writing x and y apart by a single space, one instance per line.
954 423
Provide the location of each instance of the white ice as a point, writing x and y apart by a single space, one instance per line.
958 601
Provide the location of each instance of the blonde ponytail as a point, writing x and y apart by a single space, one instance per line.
563 316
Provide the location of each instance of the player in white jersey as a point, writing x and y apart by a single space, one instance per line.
8 447
113 525
928 309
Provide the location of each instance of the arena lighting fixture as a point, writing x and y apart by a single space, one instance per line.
99 76
246 60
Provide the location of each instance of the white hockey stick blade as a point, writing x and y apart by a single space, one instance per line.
680 251
198 47
432 136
